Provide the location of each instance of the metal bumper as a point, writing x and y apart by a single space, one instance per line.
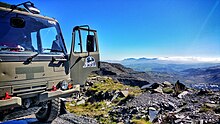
48 95
12 102
59 93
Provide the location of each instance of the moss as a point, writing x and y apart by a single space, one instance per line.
205 109
107 120
140 121
167 90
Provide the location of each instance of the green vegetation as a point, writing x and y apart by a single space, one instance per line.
204 108
88 109
167 90
108 85
100 110
140 121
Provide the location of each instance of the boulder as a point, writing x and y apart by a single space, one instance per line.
181 95
146 87
150 86
210 105
158 90
115 96
167 90
166 83
81 102
179 116
154 85
125 93
152 112
179 87
203 92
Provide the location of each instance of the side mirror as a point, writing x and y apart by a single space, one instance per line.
17 22
90 42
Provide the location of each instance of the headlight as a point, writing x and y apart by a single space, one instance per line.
63 85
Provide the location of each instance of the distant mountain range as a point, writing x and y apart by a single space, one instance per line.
169 65
199 72
171 60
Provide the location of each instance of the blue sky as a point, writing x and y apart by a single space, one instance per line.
142 28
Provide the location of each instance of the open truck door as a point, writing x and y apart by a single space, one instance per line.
84 56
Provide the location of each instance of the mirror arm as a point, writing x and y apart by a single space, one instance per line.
13 7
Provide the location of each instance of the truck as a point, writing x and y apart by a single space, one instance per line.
36 71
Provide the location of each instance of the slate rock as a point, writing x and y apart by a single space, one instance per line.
179 87
166 83
181 95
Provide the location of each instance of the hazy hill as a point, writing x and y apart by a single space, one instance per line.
205 75
165 64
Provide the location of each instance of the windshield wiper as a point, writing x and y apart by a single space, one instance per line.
30 59
53 50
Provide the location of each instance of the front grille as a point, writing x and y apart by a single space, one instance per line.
19 91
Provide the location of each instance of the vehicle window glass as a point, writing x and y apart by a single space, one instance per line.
36 34
84 35
34 41
77 44
50 40
95 45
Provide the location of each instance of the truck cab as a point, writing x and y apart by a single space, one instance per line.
35 67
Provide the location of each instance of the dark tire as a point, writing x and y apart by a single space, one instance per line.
63 108
1 116
49 113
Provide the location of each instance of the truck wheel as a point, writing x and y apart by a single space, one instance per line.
62 108
49 112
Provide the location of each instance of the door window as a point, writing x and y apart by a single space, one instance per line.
81 41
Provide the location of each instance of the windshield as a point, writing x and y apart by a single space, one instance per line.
38 35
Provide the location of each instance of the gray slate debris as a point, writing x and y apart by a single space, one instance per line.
73 119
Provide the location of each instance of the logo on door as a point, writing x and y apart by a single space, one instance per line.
89 62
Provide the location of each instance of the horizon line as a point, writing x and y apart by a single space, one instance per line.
175 58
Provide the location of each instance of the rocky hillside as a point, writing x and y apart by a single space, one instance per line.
125 75
117 94
109 101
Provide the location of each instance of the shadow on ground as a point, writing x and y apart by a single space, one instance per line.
24 121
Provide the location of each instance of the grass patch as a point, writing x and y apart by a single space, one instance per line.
140 121
88 109
204 108
111 85
167 90
100 110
